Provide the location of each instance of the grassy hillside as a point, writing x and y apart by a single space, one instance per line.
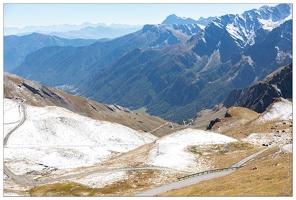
273 177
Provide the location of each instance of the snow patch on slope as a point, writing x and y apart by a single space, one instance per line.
269 24
170 151
201 26
279 110
234 31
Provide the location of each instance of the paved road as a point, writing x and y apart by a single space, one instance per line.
238 164
183 183
22 110
193 180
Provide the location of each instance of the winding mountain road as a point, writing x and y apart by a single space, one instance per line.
152 192
22 111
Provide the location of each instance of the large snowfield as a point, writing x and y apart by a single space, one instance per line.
59 138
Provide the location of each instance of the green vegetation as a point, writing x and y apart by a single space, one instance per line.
141 110
221 148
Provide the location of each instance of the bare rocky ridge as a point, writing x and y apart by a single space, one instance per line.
260 95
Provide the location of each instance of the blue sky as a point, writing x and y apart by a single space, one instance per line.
32 14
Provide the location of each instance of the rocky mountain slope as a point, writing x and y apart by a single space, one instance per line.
194 82
260 95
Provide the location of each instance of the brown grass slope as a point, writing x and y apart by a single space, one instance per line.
241 123
268 175
38 95
204 116
239 117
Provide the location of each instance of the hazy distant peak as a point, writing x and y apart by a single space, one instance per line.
205 21
174 19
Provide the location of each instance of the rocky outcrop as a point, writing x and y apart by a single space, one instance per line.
115 108
212 123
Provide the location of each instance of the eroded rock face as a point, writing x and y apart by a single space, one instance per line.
227 114
212 123
261 94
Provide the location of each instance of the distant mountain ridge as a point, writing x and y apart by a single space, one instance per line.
16 48
97 32
50 28
71 31
174 19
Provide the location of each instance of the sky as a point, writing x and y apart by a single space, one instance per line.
33 14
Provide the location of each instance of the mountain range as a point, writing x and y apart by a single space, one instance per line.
18 43
97 31
83 62
84 31
171 70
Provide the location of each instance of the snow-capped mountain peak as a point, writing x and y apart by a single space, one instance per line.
241 30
